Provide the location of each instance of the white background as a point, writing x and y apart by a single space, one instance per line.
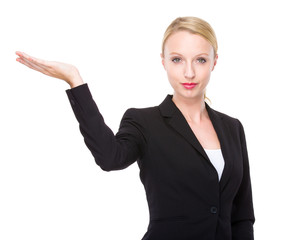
50 187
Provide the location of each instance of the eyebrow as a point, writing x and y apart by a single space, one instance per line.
175 53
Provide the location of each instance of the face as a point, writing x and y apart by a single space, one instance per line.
188 60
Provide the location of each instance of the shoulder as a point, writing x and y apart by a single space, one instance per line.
224 116
140 119
141 111
227 119
233 124
141 114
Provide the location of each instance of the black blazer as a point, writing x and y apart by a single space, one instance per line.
185 198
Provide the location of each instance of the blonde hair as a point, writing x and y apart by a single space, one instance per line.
193 25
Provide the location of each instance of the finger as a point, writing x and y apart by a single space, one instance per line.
18 53
28 64
27 61
37 63
31 65
34 60
23 55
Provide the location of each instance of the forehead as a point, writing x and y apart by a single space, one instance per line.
184 42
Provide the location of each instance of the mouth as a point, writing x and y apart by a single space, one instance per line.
189 85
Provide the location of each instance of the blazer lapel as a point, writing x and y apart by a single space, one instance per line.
224 137
176 120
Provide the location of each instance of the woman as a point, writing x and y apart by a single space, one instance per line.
193 160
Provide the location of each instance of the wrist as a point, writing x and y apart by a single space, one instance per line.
75 80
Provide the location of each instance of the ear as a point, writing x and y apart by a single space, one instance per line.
215 61
162 60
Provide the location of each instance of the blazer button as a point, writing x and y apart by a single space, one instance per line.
213 210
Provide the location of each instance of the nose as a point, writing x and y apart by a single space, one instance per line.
189 72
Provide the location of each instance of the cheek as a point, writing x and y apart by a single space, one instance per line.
173 78
174 73
204 73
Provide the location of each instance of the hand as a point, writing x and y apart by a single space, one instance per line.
66 72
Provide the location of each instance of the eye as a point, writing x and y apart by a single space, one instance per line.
201 60
176 60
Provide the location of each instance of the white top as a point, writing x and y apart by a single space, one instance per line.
217 160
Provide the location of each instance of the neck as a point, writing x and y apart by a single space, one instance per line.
192 109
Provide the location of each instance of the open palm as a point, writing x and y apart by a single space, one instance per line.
64 71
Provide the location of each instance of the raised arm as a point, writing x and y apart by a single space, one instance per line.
111 152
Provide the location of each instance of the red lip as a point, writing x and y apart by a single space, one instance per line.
189 85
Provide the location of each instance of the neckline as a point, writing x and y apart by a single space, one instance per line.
218 149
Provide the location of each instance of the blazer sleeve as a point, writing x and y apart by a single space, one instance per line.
111 152
242 210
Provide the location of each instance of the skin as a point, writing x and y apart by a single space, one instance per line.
187 58
63 71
